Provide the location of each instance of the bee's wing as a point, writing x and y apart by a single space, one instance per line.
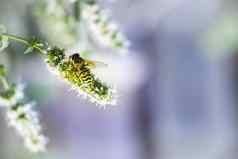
94 64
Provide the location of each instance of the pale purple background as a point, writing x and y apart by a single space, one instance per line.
175 102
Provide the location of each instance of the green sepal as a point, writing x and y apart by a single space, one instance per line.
28 50
33 44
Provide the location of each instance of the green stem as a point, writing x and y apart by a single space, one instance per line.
4 83
90 1
16 38
77 10
23 41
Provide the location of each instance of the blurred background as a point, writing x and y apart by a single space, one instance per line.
177 87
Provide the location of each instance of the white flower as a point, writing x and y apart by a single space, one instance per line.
94 98
25 121
23 118
36 143
12 95
104 30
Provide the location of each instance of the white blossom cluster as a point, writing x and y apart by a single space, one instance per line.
101 103
12 95
23 118
103 29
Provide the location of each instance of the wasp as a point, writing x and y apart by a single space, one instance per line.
84 74
80 62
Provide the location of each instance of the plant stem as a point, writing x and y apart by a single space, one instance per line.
90 1
77 10
23 41
4 83
16 38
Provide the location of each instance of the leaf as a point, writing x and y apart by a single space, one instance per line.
34 43
28 50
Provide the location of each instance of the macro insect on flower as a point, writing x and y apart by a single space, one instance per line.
87 18
76 71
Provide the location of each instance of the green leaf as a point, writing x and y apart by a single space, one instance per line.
28 50
33 44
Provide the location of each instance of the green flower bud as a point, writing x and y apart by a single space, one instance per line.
55 56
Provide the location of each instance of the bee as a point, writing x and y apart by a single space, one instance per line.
83 72
80 62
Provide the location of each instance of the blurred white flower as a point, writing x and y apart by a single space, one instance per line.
25 121
36 143
104 30
12 95
21 116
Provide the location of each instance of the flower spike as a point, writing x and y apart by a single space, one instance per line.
80 77
20 115
104 30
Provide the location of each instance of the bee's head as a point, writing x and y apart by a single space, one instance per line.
76 58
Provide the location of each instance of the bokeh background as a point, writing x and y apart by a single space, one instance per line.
177 86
